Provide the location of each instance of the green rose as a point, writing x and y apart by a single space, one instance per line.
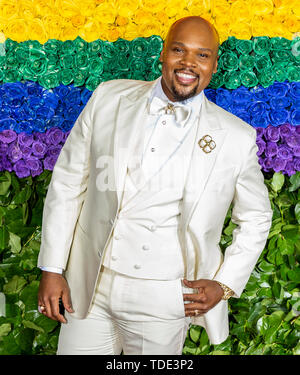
262 62
1 75
22 53
12 75
229 61
293 73
79 76
217 80
95 47
50 80
246 62
122 63
248 78
67 47
261 45
232 80
92 82
154 65
139 47
66 61
279 43
244 47
52 63
10 45
295 48
96 66
52 46
36 65
122 46
138 76
81 60
151 76
229 44
80 44
66 76
155 45
266 77
281 56
108 50
137 65
12 61
280 71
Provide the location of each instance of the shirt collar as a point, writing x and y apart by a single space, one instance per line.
194 102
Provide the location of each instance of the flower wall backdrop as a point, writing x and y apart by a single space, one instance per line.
54 53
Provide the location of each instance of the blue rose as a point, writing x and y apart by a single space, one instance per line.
259 94
295 117
278 89
280 103
242 96
85 95
278 117
259 114
223 98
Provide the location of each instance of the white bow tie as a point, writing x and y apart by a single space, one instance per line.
160 107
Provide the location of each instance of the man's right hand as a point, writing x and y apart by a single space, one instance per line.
54 286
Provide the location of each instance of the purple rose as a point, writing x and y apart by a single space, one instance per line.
260 132
261 146
14 152
284 152
5 164
41 137
54 150
272 133
7 136
290 168
278 164
49 162
268 164
293 140
66 134
296 151
39 148
25 139
286 130
21 169
33 163
26 151
297 164
297 129
271 149
54 136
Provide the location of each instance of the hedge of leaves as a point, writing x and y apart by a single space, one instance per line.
265 320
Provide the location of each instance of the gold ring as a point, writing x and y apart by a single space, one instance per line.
197 312
41 308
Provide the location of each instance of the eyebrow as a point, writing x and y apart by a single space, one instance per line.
200 49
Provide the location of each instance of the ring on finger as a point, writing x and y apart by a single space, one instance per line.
197 312
41 308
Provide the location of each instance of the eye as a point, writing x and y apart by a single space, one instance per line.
203 55
177 49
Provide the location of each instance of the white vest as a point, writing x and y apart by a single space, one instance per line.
145 243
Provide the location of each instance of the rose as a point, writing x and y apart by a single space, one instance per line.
95 47
25 139
278 117
96 66
261 146
248 79
80 44
155 45
39 148
21 169
223 98
79 77
229 61
279 103
232 80
290 168
279 43
7 136
295 117
282 56
271 149
52 46
49 162
293 73
261 45
272 133
267 164
284 152
279 164
139 47
266 77
246 62
14 152
263 63
217 80
66 76
279 71
49 80
244 47
260 132
54 136
297 164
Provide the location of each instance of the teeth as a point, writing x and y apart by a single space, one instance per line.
184 75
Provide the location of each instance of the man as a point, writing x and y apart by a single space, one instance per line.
137 202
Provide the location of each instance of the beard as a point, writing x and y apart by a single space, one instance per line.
181 96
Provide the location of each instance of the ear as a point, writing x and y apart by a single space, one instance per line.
161 56
216 65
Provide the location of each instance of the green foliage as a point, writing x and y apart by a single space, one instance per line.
265 320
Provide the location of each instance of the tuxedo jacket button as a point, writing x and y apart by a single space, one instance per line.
137 266
145 247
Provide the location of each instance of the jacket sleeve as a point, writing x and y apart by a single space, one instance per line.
253 215
66 190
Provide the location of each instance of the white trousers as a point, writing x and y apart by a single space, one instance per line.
129 315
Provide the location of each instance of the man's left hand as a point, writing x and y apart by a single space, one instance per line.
209 294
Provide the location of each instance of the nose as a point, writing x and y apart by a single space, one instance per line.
188 60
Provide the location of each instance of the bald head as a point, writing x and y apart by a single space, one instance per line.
189 57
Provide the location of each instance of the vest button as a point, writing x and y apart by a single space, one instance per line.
114 257
145 247
117 237
137 266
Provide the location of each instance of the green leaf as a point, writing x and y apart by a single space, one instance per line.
277 181
4 237
295 181
14 242
195 332
297 212
5 328
22 196
15 285
29 324
5 182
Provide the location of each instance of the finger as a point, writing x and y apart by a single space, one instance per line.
194 284
55 311
194 297
66 300
192 307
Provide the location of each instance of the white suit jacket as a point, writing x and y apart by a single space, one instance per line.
78 218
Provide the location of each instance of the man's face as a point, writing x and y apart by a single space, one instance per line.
189 59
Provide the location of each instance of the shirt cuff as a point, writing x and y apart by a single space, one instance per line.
52 269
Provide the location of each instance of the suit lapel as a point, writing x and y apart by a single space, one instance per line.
202 163
130 123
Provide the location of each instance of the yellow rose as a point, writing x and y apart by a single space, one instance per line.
2 37
53 24
45 7
131 31
27 10
240 30
126 8
105 13
67 8
174 7
153 27
16 29
9 9
121 21
69 32
292 24
78 20
261 7
219 9
112 34
222 25
239 10
86 7
37 30
153 6
91 30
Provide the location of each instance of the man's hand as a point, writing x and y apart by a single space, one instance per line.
209 294
54 286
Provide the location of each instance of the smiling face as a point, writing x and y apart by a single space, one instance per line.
189 58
